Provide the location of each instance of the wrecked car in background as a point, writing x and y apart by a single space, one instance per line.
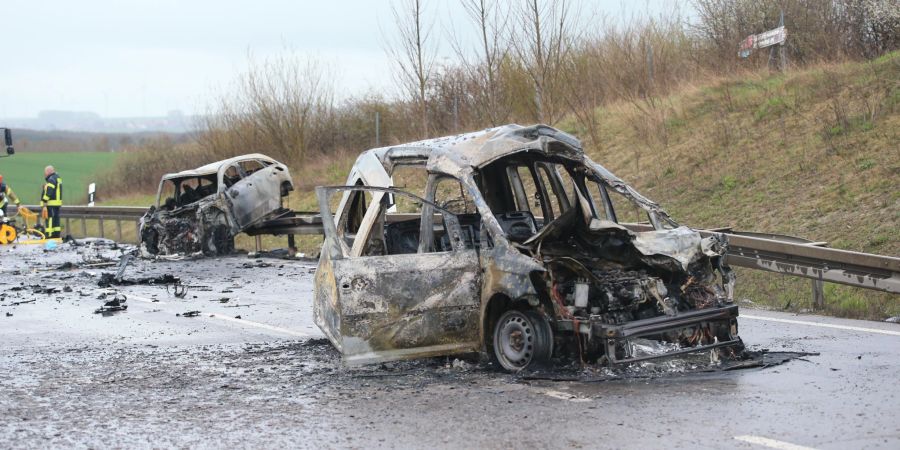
203 209
514 243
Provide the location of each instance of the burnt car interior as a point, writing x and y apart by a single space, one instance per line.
402 233
403 236
181 192
533 190
540 188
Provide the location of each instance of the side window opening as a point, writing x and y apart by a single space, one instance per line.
559 186
231 176
451 195
356 209
190 188
168 195
250 166
532 194
624 210
412 179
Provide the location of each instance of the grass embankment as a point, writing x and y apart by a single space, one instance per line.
24 172
814 153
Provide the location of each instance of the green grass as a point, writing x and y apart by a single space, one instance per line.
24 172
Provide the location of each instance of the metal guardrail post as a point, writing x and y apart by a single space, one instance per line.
118 229
101 227
818 293
83 227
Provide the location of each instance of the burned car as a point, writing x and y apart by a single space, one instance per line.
203 209
515 244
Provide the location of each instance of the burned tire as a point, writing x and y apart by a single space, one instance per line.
217 239
521 339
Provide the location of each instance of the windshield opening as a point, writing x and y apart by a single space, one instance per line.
527 191
179 192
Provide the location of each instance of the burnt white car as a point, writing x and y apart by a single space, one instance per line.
513 242
204 208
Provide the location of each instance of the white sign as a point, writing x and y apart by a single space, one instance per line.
762 40
92 188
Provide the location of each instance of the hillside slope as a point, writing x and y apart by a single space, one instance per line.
814 153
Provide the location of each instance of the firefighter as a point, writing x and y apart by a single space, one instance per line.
51 201
7 194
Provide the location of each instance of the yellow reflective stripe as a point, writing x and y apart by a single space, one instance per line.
54 203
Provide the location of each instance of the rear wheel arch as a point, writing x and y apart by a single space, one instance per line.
286 188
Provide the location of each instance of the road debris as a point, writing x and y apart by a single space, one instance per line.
115 305
108 279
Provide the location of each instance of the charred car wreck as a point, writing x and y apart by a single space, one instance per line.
515 245
203 209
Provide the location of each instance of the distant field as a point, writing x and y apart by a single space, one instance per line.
24 172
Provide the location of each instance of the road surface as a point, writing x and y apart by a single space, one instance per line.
151 377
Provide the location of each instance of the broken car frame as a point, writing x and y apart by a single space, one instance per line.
206 207
525 260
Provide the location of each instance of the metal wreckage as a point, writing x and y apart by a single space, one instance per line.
516 246
201 210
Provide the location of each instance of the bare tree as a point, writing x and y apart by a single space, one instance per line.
541 41
276 107
414 55
484 68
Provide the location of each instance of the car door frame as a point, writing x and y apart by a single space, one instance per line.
388 307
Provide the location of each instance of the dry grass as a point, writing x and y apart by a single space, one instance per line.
814 154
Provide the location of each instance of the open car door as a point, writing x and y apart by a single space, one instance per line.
377 300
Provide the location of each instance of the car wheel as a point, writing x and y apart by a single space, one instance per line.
521 339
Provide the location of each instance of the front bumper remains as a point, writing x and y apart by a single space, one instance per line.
720 324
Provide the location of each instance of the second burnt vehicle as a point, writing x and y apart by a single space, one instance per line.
513 242
204 208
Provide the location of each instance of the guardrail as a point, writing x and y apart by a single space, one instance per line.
768 252
102 214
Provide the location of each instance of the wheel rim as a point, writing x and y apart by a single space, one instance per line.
515 341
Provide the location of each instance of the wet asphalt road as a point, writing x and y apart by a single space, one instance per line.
147 377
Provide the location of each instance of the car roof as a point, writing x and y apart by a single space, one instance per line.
453 154
213 168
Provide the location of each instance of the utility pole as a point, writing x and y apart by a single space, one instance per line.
377 129
781 49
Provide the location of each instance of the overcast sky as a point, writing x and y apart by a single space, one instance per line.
147 57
